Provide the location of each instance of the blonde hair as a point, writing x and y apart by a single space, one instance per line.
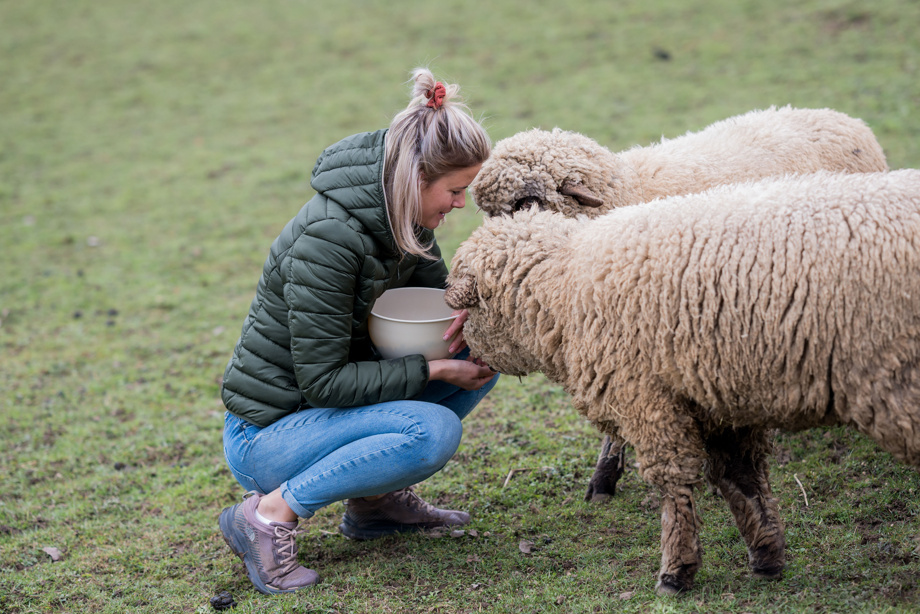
423 144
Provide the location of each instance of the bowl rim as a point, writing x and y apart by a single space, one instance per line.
452 316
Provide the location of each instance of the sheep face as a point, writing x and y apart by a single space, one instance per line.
497 274
557 171
498 349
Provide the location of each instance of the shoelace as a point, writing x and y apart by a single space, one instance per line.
283 543
412 500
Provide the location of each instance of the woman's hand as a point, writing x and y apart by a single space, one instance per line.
469 374
454 332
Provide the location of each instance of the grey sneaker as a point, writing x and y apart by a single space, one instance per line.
268 550
400 511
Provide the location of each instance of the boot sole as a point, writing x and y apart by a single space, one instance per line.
352 531
376 530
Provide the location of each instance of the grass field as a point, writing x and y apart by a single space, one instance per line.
151 151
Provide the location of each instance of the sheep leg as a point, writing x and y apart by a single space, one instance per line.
609 469
670 453
738 466
681 553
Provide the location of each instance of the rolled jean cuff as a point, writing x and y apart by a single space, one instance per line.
295 506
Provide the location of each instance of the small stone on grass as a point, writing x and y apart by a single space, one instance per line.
223 601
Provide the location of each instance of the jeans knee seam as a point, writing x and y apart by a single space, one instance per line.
413 422
416 434
385 451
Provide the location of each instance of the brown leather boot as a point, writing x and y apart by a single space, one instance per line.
400 511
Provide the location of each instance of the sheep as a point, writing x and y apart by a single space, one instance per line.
572 174
695 325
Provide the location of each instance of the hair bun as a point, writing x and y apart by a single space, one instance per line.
436 95
428 91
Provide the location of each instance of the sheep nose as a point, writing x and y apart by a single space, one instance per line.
526 203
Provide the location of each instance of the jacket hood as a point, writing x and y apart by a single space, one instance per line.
350 173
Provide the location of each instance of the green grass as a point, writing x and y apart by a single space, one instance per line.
151 151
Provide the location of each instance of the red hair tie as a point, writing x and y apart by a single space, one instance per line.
436 96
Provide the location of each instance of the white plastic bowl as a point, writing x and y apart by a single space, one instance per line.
408 321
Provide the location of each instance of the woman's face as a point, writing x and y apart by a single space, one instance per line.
443 195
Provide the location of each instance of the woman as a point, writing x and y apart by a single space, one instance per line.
314 414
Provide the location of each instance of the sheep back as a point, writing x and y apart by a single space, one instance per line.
752 146
541 167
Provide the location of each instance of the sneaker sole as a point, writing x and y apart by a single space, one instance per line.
376 530
241 549
352 532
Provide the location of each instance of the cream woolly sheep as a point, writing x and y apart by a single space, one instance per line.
572 174
694 325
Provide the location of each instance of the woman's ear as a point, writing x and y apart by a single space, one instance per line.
461 294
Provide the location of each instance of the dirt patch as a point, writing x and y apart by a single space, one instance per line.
842 20
904 589
168 455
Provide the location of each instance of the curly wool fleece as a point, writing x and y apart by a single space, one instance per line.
572 174
695 323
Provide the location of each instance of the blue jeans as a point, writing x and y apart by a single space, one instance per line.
318 456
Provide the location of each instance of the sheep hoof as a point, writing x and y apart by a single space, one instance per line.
669 586
768 573
599 493
601 488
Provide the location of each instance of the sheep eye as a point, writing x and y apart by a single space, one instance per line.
526 203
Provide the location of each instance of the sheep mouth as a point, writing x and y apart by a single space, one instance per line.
510 371
526 203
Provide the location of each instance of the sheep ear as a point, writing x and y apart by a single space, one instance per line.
462 293
582 194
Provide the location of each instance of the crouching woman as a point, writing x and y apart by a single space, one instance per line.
314 414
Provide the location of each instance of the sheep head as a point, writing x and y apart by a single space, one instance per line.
498 274
486 330
557 171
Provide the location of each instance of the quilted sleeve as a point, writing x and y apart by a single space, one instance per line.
320 278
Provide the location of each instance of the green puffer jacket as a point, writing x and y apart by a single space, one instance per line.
305 341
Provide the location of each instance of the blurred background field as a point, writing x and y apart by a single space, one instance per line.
151 151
